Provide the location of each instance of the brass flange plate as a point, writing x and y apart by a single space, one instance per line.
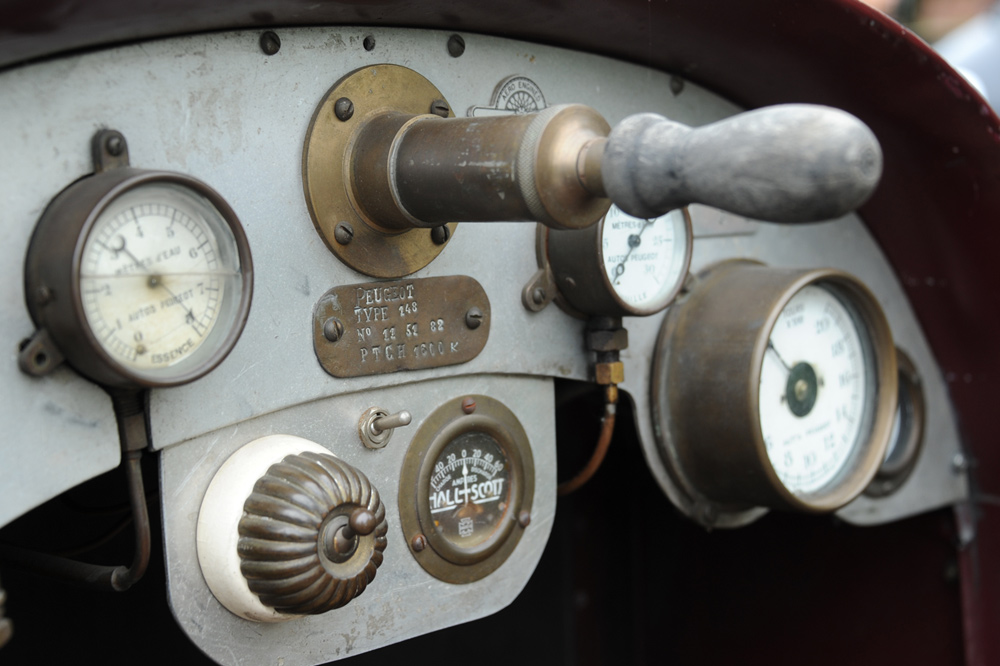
379 327
326 169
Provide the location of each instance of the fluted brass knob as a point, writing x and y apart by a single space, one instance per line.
312 534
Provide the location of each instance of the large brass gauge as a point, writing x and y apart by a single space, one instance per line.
138 278
466 489
773 388
623 265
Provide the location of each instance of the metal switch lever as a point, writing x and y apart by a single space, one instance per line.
788 163
383 423
376 426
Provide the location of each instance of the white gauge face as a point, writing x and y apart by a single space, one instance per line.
160 280
645 259
815 392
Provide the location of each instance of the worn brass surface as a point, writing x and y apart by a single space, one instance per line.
568 204
382 95
312 534
705 384
435 553
400 325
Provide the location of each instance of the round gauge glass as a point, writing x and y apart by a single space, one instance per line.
161 282
816 390
645 261
470 489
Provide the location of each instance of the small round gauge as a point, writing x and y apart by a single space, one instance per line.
623 265
774 388
467 485
159 279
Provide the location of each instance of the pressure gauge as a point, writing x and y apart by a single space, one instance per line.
140 278
623 265
774 388
466 489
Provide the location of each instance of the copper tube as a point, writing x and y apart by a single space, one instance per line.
603 442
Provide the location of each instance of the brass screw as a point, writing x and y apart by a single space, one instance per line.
474 318
440 235
270 43
456 46
333 329
418 543
343 108
344 233
524 518
440 108
468 405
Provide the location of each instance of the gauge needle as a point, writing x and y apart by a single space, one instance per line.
154 281
465 481
633 242
770 345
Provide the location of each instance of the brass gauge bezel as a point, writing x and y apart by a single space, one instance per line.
439 556
705 390
53 264
576 260
384 97
903 451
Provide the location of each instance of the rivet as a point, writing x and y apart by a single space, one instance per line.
676 85
439 107
344 233
524 518
468 405
333 329
418 543
369 43
474 318
959 463
43 295
440 235
343 108
270 43
456 46
538 295
114 145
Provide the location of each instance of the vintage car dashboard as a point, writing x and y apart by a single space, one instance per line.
282 322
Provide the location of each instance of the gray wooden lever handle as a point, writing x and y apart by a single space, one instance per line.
788 163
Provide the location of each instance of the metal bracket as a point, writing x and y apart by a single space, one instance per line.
539 290
109 150
38 355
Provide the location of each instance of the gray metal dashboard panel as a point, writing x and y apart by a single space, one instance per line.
215 107
403 600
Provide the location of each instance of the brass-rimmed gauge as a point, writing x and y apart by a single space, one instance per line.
466 487
623 265
138 278
775 388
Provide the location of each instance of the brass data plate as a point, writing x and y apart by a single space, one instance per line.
377 327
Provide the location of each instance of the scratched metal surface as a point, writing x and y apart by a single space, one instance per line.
215 107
